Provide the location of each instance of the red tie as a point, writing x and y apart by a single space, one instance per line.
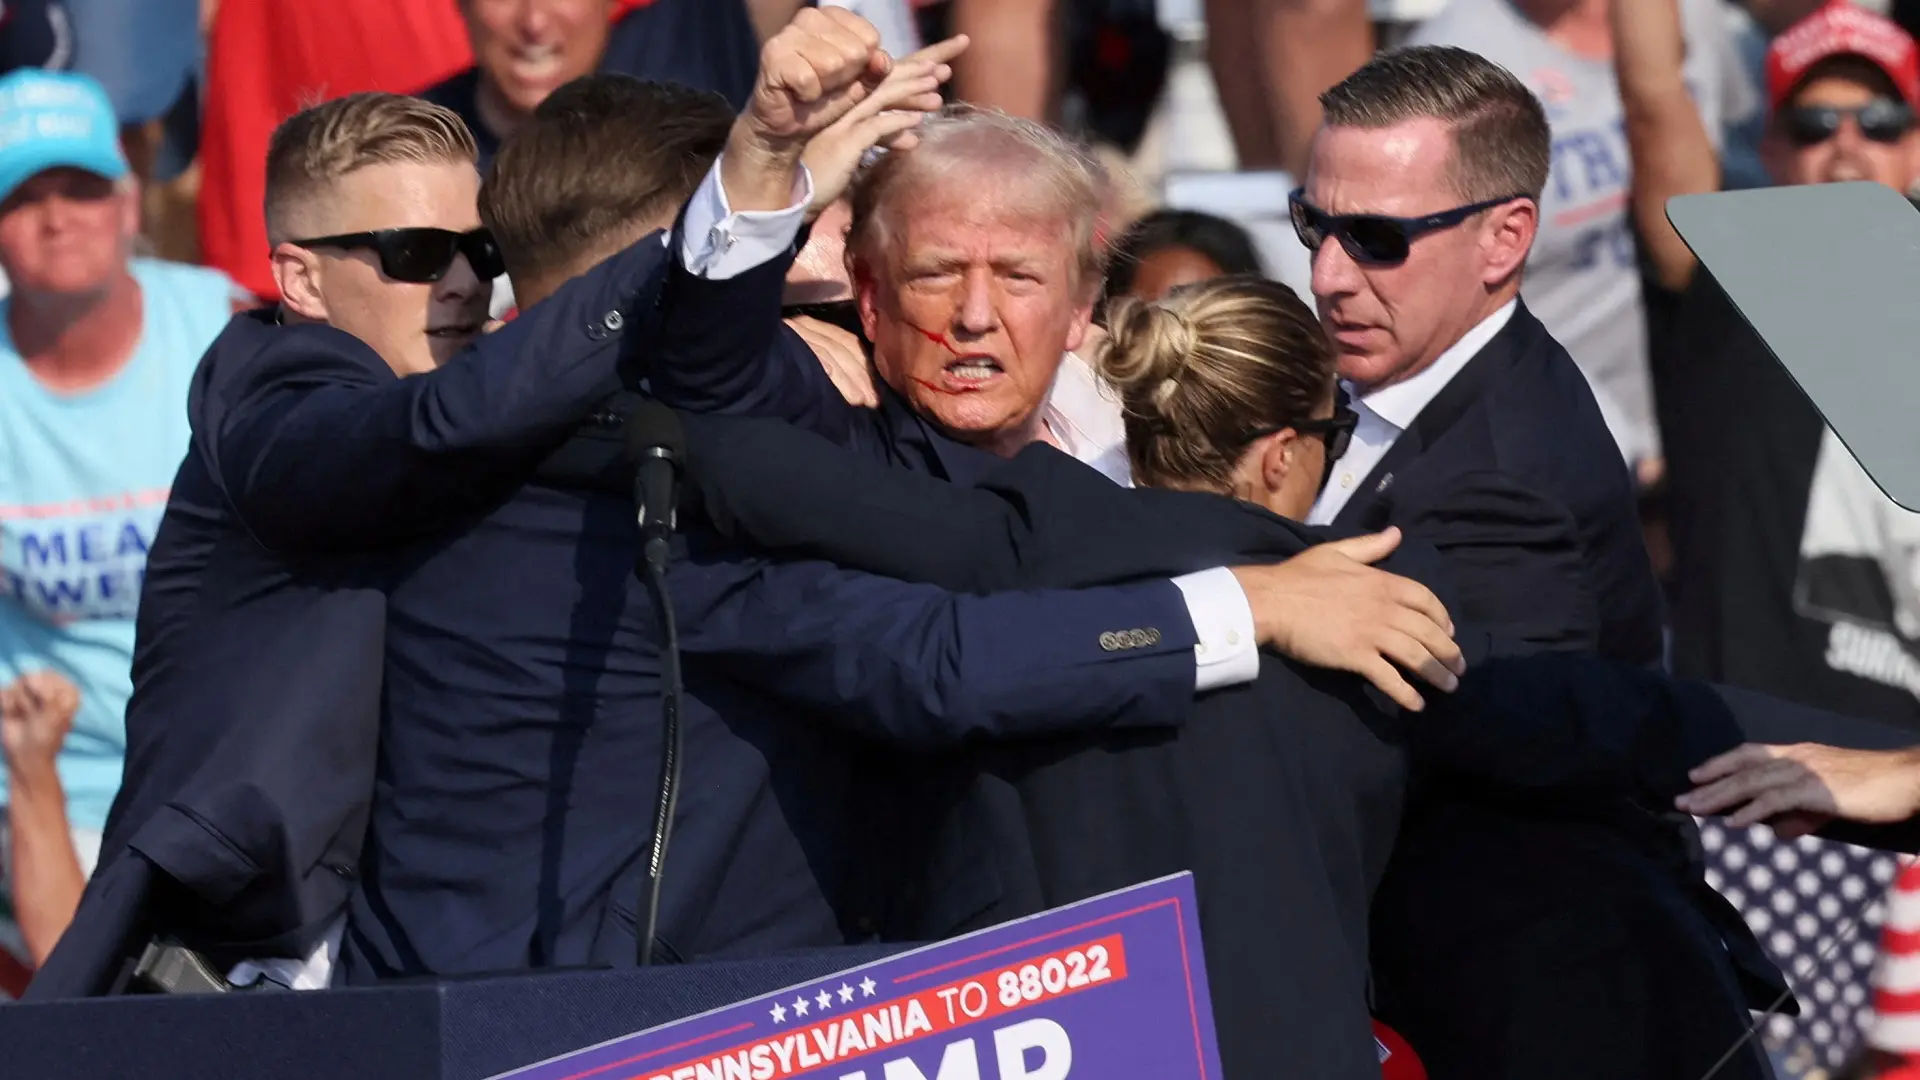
1397 1060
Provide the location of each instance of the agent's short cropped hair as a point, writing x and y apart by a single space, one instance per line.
1501 144
602 160
317 146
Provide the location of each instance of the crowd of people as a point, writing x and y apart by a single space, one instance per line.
1513 654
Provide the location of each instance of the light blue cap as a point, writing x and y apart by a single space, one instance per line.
50 119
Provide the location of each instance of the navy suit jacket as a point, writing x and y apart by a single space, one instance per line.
1282 797
1511 473
251 733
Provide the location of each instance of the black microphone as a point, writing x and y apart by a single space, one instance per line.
656 446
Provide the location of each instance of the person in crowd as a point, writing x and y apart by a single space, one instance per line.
1169 248
97 351
1748 446
1583 278
1272 59
763 852
43 869
1790 564
524 50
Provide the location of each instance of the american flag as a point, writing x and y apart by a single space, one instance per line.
1817 907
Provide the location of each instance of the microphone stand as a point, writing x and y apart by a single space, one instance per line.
652 569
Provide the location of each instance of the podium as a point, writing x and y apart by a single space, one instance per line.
456 1029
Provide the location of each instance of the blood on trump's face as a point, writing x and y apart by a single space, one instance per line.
971 307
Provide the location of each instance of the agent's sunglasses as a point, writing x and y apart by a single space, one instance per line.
421 255
1880 121
1335 430
1375 239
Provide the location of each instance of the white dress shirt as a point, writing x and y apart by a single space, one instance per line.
1388 411
722 244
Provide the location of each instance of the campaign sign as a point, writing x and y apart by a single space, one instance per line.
1112 986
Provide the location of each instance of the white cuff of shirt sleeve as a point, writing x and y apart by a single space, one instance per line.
1228 653
722 244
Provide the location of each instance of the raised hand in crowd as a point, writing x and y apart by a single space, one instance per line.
1800 788
43 872
1329 608
36 712
886 118
812 73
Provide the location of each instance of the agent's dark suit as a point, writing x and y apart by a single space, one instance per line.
1511 473
1508 468
257 670
1282 797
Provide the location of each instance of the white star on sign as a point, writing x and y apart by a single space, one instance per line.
846 993
779 1014
825 1000
866 986
799 1006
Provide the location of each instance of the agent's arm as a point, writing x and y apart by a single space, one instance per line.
922 667
318 444
790 491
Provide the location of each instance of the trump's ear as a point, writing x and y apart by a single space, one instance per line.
866 295
297 273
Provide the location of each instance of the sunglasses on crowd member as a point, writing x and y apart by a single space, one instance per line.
1880 120
1375 239
1336 430
421 255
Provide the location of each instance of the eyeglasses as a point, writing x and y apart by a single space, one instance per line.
1880 121
1336 430
1375 239
421 255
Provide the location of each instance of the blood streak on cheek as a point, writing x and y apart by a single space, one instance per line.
940 340
937 338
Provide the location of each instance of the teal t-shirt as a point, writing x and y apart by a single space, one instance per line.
83 481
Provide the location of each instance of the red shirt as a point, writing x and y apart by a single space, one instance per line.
266 60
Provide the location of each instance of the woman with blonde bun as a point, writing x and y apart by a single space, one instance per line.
1228 386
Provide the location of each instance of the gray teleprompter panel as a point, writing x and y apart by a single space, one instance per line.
1828 276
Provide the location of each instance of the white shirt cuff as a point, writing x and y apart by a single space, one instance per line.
722 244
1228 653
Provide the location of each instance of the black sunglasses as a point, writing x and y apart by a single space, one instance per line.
421 255
1375 239
1336 430
1880 121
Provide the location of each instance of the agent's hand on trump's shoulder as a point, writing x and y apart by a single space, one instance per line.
1329 608
886 118
1800 788
841 353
